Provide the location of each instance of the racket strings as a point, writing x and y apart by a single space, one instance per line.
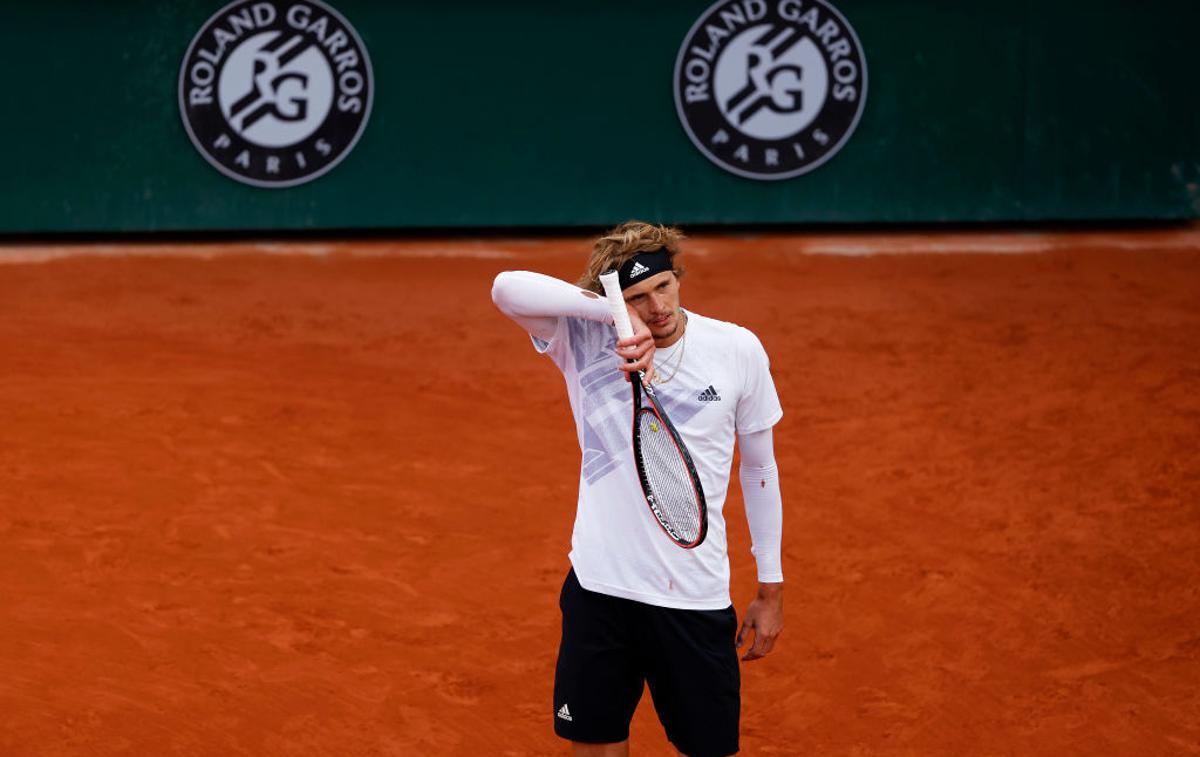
668 477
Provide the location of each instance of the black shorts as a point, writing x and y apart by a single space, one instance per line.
611 647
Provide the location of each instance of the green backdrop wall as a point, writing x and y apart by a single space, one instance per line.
523 113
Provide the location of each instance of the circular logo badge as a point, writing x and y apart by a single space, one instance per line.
770 90
273 93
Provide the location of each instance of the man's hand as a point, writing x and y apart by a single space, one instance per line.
639 348
765 618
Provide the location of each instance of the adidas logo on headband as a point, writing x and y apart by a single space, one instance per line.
644 264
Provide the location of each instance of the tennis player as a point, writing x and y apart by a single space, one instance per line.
638 609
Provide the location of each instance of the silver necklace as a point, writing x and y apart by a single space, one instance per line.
678 357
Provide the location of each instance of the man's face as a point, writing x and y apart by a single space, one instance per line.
656 301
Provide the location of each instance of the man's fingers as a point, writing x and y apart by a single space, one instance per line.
637 358
635 350
639 337
763 644
639 349
756 649
768 645
760 641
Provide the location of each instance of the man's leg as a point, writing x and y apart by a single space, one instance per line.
597 680
620 749
692 669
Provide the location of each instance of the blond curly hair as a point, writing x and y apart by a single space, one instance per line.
618 245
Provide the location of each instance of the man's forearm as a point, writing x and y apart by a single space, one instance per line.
537 301
759 477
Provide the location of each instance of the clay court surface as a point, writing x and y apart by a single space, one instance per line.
315 499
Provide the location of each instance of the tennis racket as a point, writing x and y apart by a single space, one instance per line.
668 477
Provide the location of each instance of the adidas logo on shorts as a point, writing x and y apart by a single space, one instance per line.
709 395
564 713
637 270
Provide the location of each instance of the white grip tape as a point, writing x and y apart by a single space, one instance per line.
616 303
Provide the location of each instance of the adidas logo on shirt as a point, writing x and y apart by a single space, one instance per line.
709 395
564 713
637 270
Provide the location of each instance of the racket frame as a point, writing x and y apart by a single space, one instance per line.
640 387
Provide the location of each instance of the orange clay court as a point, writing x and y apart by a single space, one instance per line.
319 502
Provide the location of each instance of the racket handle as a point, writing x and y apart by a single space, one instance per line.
616 303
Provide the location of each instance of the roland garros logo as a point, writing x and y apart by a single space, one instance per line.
273 93
770 89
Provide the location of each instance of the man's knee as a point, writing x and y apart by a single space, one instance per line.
615 749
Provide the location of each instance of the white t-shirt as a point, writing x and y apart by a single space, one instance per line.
723 387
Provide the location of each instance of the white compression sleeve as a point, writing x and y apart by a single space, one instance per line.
536 302
759 476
